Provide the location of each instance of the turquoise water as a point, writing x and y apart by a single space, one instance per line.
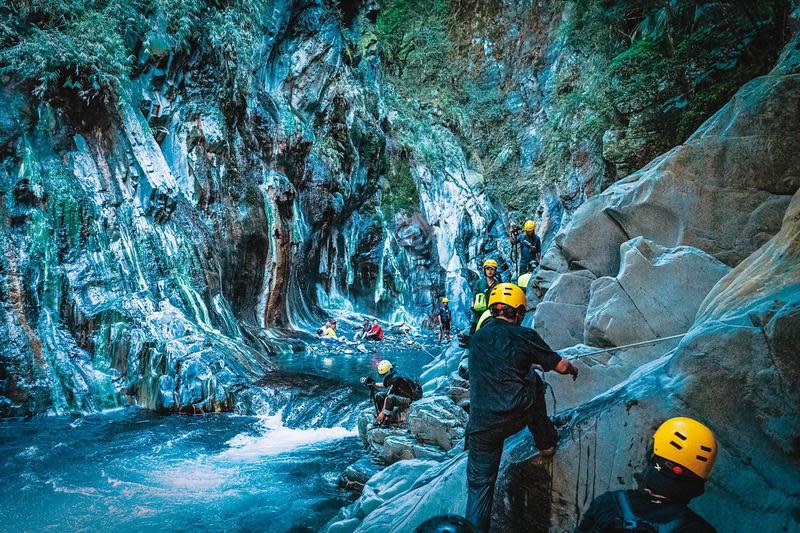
132 470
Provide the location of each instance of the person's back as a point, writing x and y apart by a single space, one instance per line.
401 384
607 514
499 361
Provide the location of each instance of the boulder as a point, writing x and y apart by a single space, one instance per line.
724 190
437 420
560 325
357 474
656 293
383 486
571 288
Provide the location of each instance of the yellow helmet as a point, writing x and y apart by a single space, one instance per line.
384 366
688 443
445 300
486 314
530 225
509 294
524 280
490 263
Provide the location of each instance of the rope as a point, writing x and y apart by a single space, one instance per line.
624 346
418 345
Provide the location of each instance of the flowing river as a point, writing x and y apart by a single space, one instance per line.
132 470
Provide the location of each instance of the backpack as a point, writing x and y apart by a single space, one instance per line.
479 302
416 390
630 523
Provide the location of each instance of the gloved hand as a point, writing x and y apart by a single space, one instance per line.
367 381
463 340
573 371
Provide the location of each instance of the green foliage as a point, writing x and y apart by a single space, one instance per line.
72 45
400 193
86 47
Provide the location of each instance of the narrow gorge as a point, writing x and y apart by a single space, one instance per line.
190 188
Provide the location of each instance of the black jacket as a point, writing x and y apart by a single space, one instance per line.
500 358
606 516
400 384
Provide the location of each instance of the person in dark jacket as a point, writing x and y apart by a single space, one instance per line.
530 248
506 394
444 317
400 391
683 455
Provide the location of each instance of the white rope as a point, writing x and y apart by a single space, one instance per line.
625 346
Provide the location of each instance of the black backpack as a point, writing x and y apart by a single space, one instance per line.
630 523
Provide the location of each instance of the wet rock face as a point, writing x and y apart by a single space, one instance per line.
144 254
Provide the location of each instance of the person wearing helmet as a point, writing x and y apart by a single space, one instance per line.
506 394
444 318
677 469
530 247
448 523
481 291
400 391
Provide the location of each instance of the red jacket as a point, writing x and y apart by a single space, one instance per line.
377 332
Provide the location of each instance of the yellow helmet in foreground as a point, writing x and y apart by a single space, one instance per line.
687 442
508 294
384 366
530 225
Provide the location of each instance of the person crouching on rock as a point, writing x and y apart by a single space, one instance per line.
506 394
680 463
400 391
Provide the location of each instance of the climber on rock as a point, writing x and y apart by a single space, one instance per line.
400 392
678 467
444 318
506 394
530 252
481 291
375 333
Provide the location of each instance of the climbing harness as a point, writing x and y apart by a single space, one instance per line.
626 346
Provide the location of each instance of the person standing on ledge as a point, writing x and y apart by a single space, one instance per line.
506 394
530 248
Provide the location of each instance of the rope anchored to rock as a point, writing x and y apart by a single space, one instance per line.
626 346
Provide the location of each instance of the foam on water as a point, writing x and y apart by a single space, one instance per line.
274 438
